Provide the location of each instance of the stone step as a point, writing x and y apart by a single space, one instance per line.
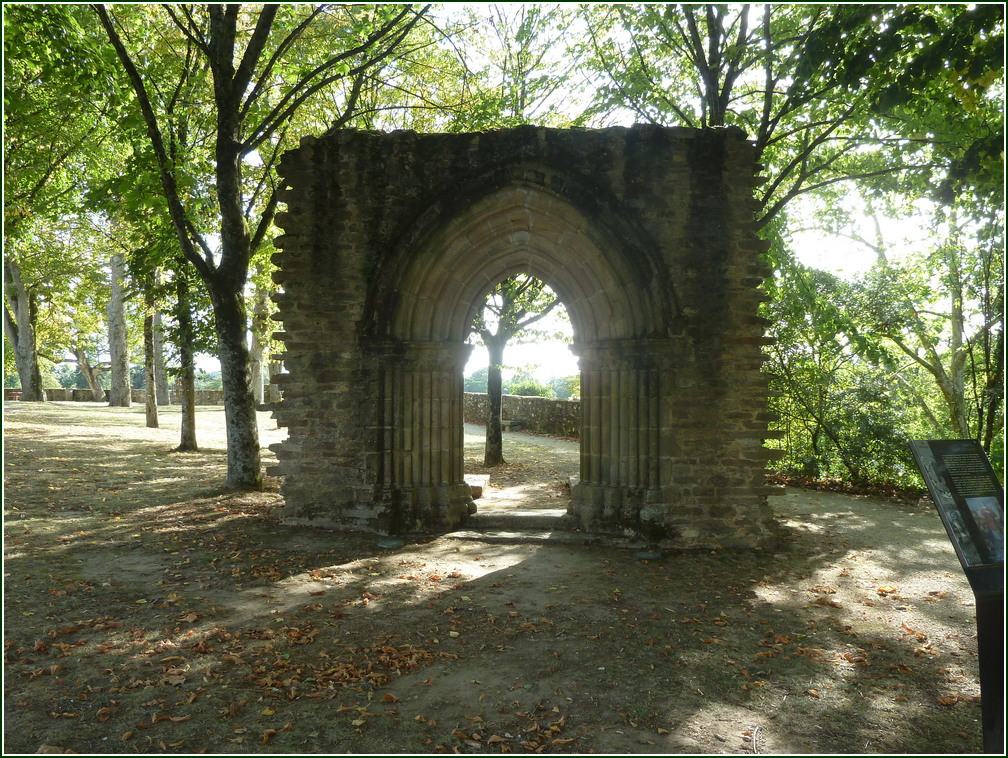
518 520
528 535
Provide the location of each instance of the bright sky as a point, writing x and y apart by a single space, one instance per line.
545 358
847 257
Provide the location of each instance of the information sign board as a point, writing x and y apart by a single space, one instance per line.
970 501
968 496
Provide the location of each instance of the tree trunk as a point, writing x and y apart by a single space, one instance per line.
494 453
256 378
119 389
258 353
993 394
90 373
160 365
244 467
20 329
150 406
187 377
227 284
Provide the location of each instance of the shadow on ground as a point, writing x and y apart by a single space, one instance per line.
146 610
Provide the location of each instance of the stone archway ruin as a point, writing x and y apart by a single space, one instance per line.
391 243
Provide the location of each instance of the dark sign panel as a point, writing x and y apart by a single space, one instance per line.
970 501
968 496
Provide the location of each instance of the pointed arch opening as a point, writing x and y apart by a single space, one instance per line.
439 285
617 315
517 335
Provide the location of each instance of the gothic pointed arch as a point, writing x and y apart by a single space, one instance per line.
436 284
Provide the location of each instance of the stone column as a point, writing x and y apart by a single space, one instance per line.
421 439
621 455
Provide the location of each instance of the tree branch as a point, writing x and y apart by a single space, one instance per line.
302 90
175 206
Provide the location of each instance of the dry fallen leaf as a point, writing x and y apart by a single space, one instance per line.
270 733
827 601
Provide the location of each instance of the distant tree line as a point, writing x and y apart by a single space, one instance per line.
525 384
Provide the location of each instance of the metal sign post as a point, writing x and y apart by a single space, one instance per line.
970 501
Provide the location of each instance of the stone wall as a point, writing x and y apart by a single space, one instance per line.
203 397
391 243
541 415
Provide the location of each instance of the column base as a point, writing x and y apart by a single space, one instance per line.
437 507
657 515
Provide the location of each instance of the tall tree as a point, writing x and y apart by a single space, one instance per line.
523 60
150 402
254 68
56 130
186 339
825 91
119 389
160 365
20 321
91 372
511 308
934 307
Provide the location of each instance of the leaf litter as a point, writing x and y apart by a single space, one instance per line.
182 619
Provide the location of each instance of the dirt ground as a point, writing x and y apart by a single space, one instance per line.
148 611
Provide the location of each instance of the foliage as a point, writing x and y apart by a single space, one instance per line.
841 93
526 385
208 380
565 387
56 111
70 377
476 381
523 61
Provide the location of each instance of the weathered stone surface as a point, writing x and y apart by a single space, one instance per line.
390 244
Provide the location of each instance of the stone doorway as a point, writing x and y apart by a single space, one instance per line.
392 241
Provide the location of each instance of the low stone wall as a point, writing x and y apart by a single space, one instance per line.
203 397
542 415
